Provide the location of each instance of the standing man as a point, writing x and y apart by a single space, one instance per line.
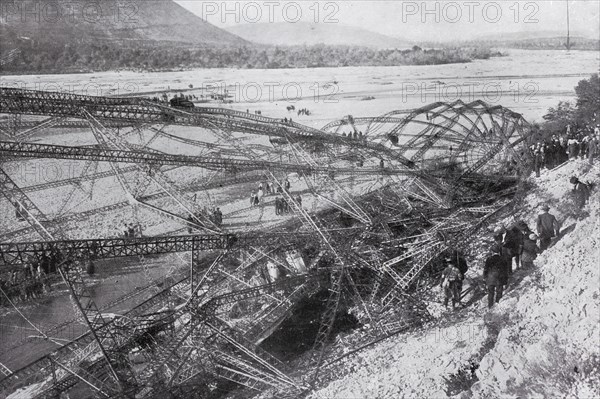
514 242
538 157
492 273
573 148
592 149
547 227
530 251
461 263
451 278
581 192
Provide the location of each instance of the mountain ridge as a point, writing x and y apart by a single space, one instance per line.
153 21
306 33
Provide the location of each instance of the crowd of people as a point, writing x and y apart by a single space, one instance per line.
282 205
131 230
514 246
215 216
582 144
32 280
518 246
267 189
23 286
355 135
301 111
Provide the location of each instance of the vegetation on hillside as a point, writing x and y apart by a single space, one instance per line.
550 43
583 116
102 57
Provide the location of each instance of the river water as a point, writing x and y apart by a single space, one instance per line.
113 279
529 82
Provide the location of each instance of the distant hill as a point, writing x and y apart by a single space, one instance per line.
156 20
304 33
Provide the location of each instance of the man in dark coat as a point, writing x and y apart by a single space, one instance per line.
461 263
451 278
278 206
514 242
581 192
547 227
494 274
530 250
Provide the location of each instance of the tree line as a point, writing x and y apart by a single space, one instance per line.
582 116
86 57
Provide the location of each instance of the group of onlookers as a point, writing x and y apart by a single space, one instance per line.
268 188
131 230
515 246
518 245
356 135
568 147
282 205
31 280
215 216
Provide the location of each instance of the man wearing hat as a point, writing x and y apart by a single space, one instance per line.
494 273
547 227
530 250
451 278
581 191
513 240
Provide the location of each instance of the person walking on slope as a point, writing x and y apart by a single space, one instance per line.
581 192
506 253
493 273
530 250
461 263
547 227
451 278
513 240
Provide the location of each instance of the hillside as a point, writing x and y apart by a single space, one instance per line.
540 341
162 20
304 33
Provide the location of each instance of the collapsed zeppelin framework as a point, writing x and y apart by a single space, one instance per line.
374 202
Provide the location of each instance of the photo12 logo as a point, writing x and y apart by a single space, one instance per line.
470 11
492 92
52 11
79 88
41 172
271 92
270 11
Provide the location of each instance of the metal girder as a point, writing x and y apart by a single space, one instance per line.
72 277
136 110
25 207
111 140
30 150
19 253
429 251
39 368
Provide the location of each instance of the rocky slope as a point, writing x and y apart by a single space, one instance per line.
541 341
31 23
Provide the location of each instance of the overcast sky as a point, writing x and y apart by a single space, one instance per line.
414 20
